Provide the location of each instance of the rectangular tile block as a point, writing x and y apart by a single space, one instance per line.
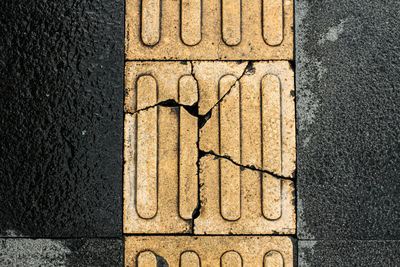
160 172
209 29
208 251
251 122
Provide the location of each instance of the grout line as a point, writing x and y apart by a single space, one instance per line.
207 60
123 137
293 67
348 240
212 235
64 238
122 236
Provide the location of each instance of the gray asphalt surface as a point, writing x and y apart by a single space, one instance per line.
348 123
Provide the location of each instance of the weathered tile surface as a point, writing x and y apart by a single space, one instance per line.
208 251
209 29
254 123
235 200
160 173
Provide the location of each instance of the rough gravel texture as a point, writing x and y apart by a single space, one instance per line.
67 252
349 253
348 119
348 132
61 100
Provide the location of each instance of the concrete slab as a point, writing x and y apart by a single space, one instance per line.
347 99
349 253
66 252
61 118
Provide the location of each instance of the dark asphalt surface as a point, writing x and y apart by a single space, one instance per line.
61 120
61 102
348 122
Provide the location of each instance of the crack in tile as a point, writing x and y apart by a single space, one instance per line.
250 167
248 69
192 110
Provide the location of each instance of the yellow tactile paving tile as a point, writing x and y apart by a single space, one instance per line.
240 113
208 251
252 123
160 153
209 29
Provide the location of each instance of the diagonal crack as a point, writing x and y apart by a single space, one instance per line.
204 118
192 110
250 167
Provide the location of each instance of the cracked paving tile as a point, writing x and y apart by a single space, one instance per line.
253 124
160 149
209 30
237 200
247 142
208 251
166 83
208 74
250 167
